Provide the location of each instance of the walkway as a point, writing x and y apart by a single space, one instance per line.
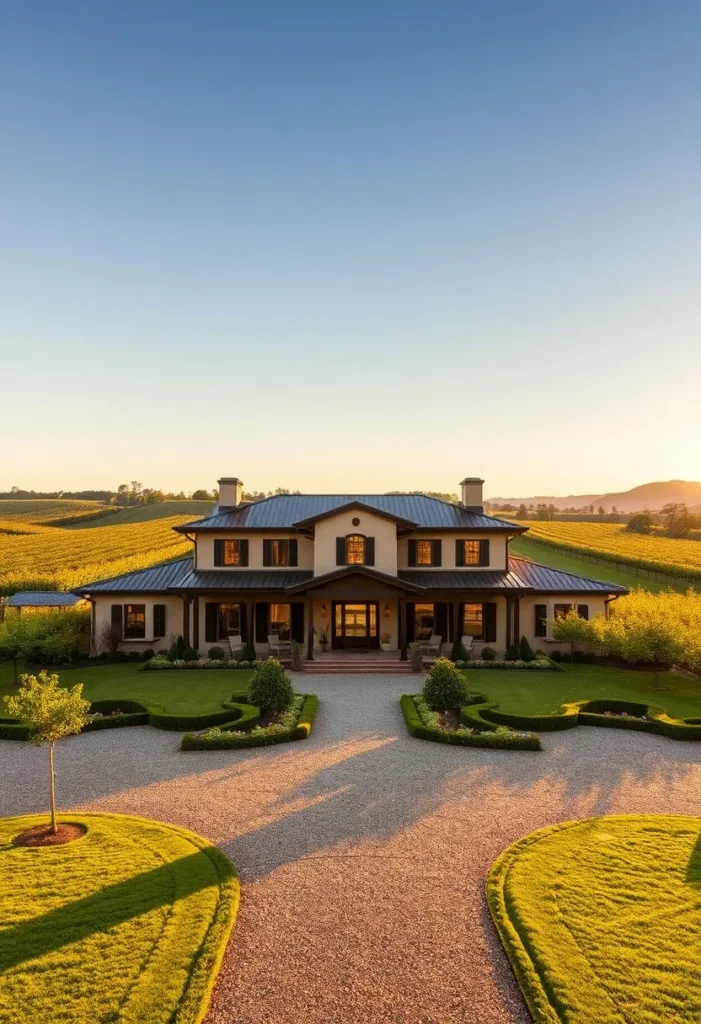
362 852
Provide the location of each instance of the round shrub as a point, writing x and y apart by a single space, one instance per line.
556 656
190 654
445 688
216 653
270 688
513 653
148 654
459 652
489 654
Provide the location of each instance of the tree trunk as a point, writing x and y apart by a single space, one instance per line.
52 788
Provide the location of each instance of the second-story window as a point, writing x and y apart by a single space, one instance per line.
279 553
231 552
355 549
472 552
424 552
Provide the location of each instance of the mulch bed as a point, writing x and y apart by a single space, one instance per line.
41 835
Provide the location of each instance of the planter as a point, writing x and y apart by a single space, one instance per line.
385 647
417 662
297 662
323 647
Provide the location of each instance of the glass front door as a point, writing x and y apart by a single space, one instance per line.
355 624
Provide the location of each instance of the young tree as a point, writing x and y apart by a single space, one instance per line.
645 630
51 712
572 629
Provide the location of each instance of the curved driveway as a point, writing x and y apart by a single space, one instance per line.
362 852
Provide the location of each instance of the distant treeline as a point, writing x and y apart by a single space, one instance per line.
136 494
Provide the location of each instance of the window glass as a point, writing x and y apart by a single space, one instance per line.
281 553
560 611
134 621
473 620
232 552
472 552
280 619
373 620
355 550
423 621
229 619
424 552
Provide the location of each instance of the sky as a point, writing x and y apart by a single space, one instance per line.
350 246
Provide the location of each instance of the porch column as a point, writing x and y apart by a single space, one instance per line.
253 625
196 623
186 620
250 624
310 640
401 605
455 617
508 623
517 619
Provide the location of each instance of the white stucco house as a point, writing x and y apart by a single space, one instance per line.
354 567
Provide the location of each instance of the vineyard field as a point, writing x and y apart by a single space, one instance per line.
146 513
55 558
51 511
612 543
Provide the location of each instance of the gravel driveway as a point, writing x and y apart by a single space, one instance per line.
363 852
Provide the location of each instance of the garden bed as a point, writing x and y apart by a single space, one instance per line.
537 664
294 724
422 723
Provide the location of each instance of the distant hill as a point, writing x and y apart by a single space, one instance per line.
652 496
155 510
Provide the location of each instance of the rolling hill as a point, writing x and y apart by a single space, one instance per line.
652 496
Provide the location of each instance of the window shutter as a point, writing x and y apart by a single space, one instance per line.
410 611
243 620
293 552
219 552
211 622
267 552
436 558
484 552
262 623
243 552
369 551
411 555
159 621
541 620
118 620
297 622
340 550
440 619
460 552
461 621
583 611
489 619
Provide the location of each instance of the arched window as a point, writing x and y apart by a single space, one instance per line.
355 549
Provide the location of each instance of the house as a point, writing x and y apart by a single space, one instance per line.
357 567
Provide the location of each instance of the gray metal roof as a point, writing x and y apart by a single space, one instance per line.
42 599
244 579
543 579
156 578
283 511
462 579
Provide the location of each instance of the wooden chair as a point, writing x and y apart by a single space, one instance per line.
235 643
432 644
278 646
468 643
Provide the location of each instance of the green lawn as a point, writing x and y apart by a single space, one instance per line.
537 693
608 572
601 919
180 692
127 923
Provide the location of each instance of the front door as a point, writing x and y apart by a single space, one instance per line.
354 625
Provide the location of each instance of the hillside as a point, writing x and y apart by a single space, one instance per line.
51 511
652 496
148 513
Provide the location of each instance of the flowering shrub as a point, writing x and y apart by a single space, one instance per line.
160 662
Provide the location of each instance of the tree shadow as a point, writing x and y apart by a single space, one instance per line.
693 868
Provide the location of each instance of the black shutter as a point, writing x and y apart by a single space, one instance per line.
243 553
459 552
484 552
369 551
219 552
340 550
583 611
243 623
489 621
159 621
411 556
293 553
410 611
297 622
267 552
118 620
461 622
440 619
436 557
262 623
211 622
541 620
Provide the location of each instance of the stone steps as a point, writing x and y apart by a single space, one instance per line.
357 666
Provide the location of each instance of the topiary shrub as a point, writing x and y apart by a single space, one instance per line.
247 653
190 654
445 688
489 654
525 650
513 653
175 651
556 656
216 653
270 688
458 652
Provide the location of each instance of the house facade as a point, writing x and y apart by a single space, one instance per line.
358 570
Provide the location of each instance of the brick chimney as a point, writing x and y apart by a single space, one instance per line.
230 492
471 488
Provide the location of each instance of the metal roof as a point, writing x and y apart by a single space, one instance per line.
345 571
156 578
543 579
42 599
283 511
462 579
244 579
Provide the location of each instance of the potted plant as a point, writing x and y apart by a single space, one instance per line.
386 642
297 656
416 656
323 635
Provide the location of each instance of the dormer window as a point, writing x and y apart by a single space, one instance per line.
355 549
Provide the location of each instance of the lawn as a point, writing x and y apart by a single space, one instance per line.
601 919
538 693
180 692
127 923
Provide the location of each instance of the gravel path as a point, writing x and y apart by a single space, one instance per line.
362 852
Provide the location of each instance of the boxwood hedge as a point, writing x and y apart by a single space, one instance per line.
231 736
487 736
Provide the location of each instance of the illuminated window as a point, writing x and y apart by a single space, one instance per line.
232 552
424 552
561 611
424 619
134 621
472 552
473 621
280 620
355 549
229 619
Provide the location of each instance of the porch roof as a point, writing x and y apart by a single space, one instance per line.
396 582
249 579
464 579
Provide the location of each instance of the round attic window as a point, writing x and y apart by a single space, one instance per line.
356 521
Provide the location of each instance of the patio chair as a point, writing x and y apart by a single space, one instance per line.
235 643
432 644
468 642
278 646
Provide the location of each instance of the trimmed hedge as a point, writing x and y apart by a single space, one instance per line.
13 729
232 738
133 713
486 737
160 663
232 712
537 665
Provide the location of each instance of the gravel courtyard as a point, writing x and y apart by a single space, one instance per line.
362 852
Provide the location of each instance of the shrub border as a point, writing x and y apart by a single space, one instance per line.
232 739
486 737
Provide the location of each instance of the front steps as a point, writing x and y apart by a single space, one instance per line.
357 666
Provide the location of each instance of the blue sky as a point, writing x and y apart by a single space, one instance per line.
343 246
